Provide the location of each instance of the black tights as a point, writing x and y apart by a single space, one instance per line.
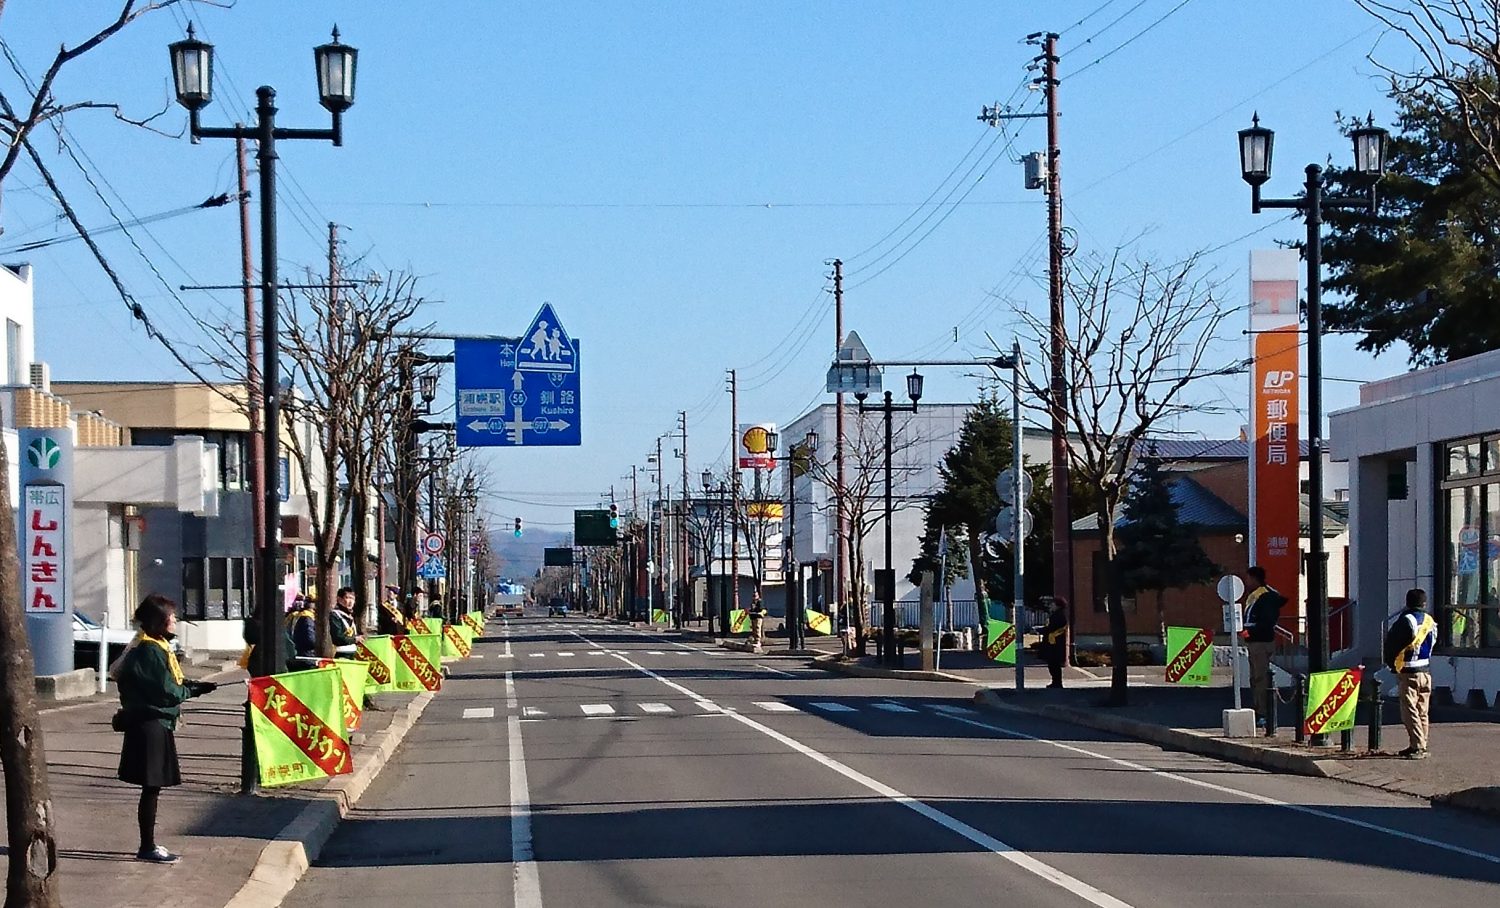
145 815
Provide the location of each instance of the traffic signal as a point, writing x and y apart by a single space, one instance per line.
518 528
614 517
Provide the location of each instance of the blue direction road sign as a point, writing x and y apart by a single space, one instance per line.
520 391
433 569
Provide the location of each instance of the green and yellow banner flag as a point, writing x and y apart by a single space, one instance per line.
1000 641
475 622
420 625
1331 700
457 641
418 661
660 616
354 675
817 622
297 720
739 621
1190 655
379 656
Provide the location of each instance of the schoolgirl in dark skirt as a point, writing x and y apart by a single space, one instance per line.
152 691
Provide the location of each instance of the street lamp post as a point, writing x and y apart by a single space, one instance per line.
793 574
888 584
192 77
1255 167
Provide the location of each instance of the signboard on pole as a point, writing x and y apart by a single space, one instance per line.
592 528
519 391
1275 445
755 446
46 476
557 557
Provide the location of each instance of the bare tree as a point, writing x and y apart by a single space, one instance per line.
1142 336
864 500
1458 43
343 354
31 878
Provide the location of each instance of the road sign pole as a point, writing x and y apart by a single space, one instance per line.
1018 478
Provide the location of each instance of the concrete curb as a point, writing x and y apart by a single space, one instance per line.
286 858
839 666
1482 800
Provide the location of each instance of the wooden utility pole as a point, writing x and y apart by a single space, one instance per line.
258 471
840 570
684 548
1062 521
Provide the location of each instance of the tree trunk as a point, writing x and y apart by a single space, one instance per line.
32 878
856 603
1119 679
359 555
976 570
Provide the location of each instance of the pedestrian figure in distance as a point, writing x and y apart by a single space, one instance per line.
1262 611
1408 652
1055 640
152 691
757 621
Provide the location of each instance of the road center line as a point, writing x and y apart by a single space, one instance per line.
527 887
1235 792
776 670
1019 858
510 691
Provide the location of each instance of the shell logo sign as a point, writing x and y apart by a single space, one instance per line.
755 446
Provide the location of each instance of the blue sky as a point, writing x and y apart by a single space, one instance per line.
672 177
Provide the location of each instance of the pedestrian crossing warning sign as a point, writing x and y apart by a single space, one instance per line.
546 346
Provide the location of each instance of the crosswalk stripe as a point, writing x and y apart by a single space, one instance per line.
598 652
772 706
479 712
710 707
955 710
833 707
656 708
536 655
894 708
566 655
532 711
655 652
597 709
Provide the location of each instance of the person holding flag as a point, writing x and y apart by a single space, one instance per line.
1408 653
1054 645
1262 612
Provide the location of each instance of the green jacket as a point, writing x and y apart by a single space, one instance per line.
147 686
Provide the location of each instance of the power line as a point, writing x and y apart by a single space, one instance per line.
1131 40
216 201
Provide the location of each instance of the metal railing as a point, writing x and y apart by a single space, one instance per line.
965 614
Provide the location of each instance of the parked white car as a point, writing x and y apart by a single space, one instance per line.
86 641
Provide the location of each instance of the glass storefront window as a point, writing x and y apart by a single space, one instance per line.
1490 636
218 571
1463 459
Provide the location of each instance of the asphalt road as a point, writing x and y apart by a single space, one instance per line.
579 763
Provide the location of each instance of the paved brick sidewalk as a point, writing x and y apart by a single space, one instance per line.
219 833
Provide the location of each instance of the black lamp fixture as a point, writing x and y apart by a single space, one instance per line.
192 71
427 387
1370 145
708 480
810 440
1255 152
773 439
914 386
336 64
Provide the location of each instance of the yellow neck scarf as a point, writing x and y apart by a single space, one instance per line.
171 656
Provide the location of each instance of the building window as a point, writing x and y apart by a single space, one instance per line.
13 362
192 588
1468 612
238 593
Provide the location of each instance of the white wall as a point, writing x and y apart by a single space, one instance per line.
16 305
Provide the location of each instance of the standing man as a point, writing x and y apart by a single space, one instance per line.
343 630
1262 611
1055 640
389 619
757 622
1408 652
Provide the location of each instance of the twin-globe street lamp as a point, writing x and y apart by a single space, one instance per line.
192 76
885 581
1370 142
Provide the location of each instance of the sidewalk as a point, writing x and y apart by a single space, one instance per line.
1462 769
220 834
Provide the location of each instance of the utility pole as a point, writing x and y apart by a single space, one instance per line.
684 546
734 488
258 471
1062 521
840 576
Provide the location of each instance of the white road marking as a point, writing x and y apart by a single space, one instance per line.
655 652
506 655
510 691
598 652
833 707
532 712
707 706
655 708
526 886
1249 796
984 840
566 655
479 712
477 655
597 709
776 670
536 655
894 708
772 706
953 711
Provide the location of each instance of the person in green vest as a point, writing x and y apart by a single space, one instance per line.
152 691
